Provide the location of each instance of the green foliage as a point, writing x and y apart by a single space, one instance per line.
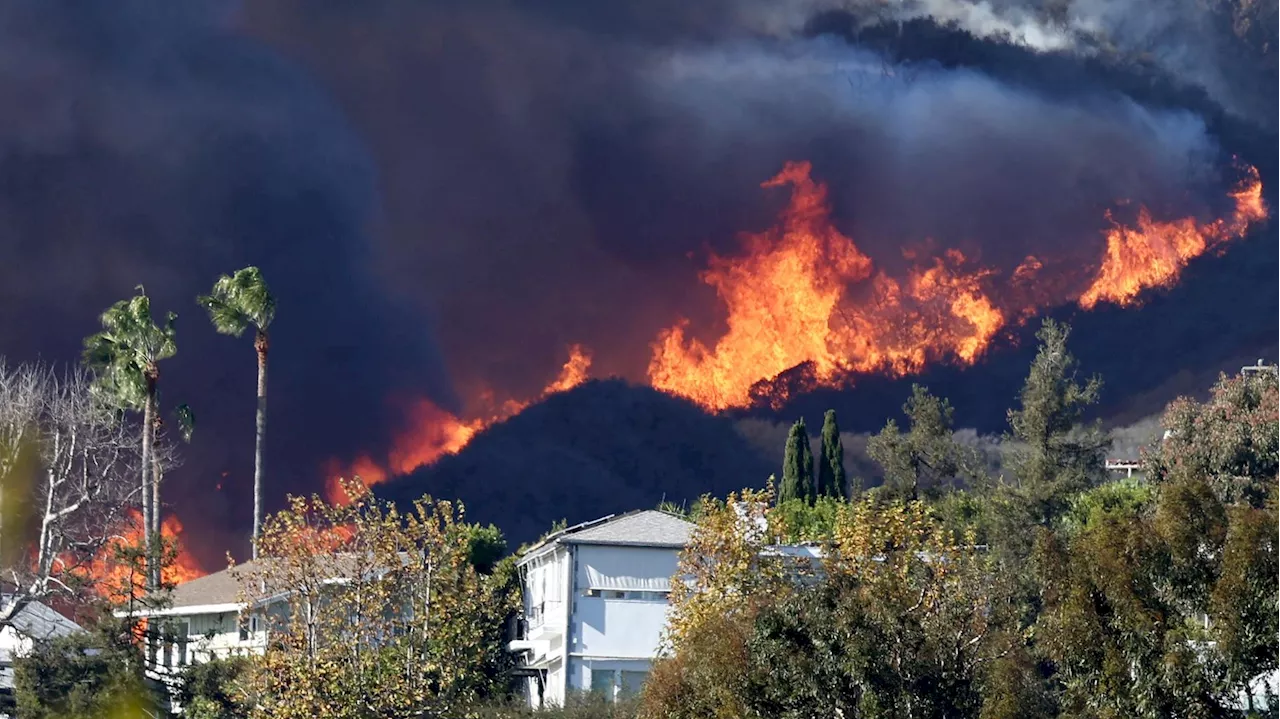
413 627
831 474
124 354
486 547
212 690
1055 455
1125 499
240 301
797 466
83 676
576 707
1233 439
926 459
798 521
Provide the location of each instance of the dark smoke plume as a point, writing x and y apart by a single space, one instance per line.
502 179
148 143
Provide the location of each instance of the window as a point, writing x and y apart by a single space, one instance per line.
631 683
629 595
602 682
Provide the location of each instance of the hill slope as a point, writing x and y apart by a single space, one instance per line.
601 448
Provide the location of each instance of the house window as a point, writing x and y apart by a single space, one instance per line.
602 682
629 595
631 683
174 636
249 628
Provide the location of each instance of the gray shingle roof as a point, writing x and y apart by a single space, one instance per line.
37 621
224 587
641 528
217 588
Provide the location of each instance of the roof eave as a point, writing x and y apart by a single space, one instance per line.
188 610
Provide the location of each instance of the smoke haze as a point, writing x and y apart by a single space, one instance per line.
445 195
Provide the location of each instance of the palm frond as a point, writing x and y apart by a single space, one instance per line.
238 301
129 342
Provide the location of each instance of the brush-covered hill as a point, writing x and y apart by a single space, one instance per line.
603 447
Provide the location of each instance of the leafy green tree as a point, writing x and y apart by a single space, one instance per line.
797 465
831 474
1055 455
126 355
236 303
925 458
210 690
1232 440
413 629
83 676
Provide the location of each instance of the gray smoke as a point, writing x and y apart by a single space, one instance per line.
497 179
148 143
547 170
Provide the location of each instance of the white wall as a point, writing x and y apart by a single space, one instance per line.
621 628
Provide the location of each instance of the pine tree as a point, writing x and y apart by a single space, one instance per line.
1058 454
831 476
797 466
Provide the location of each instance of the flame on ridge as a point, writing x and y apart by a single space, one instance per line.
1154 253
435 432
802 300
802 293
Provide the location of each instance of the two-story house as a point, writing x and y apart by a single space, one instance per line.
595 604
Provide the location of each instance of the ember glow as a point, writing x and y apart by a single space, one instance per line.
804 302
435 433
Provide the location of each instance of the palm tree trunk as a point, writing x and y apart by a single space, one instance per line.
260 344
156 474
148 412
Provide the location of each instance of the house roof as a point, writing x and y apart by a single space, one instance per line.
220 592
211 589
37 621
639 528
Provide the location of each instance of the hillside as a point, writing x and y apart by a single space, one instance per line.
603 447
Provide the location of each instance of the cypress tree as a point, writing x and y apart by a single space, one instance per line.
831 476
797 466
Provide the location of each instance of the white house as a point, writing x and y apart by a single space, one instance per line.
595 604
203 620
33 623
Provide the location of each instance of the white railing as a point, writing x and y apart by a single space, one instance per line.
1128 466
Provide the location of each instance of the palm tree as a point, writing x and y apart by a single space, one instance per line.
236 303
126 356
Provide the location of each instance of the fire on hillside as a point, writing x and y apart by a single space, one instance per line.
802 298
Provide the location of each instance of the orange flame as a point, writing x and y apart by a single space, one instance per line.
804 294
1154 253
111 578
806 307
435 432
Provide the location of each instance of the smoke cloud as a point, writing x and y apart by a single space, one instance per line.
154 145
503 179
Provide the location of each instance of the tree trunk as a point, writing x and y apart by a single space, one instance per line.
156 475
260 344
148 413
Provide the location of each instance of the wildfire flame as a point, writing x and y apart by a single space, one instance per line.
804 294
1154 253
112 578
803 303
435 432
